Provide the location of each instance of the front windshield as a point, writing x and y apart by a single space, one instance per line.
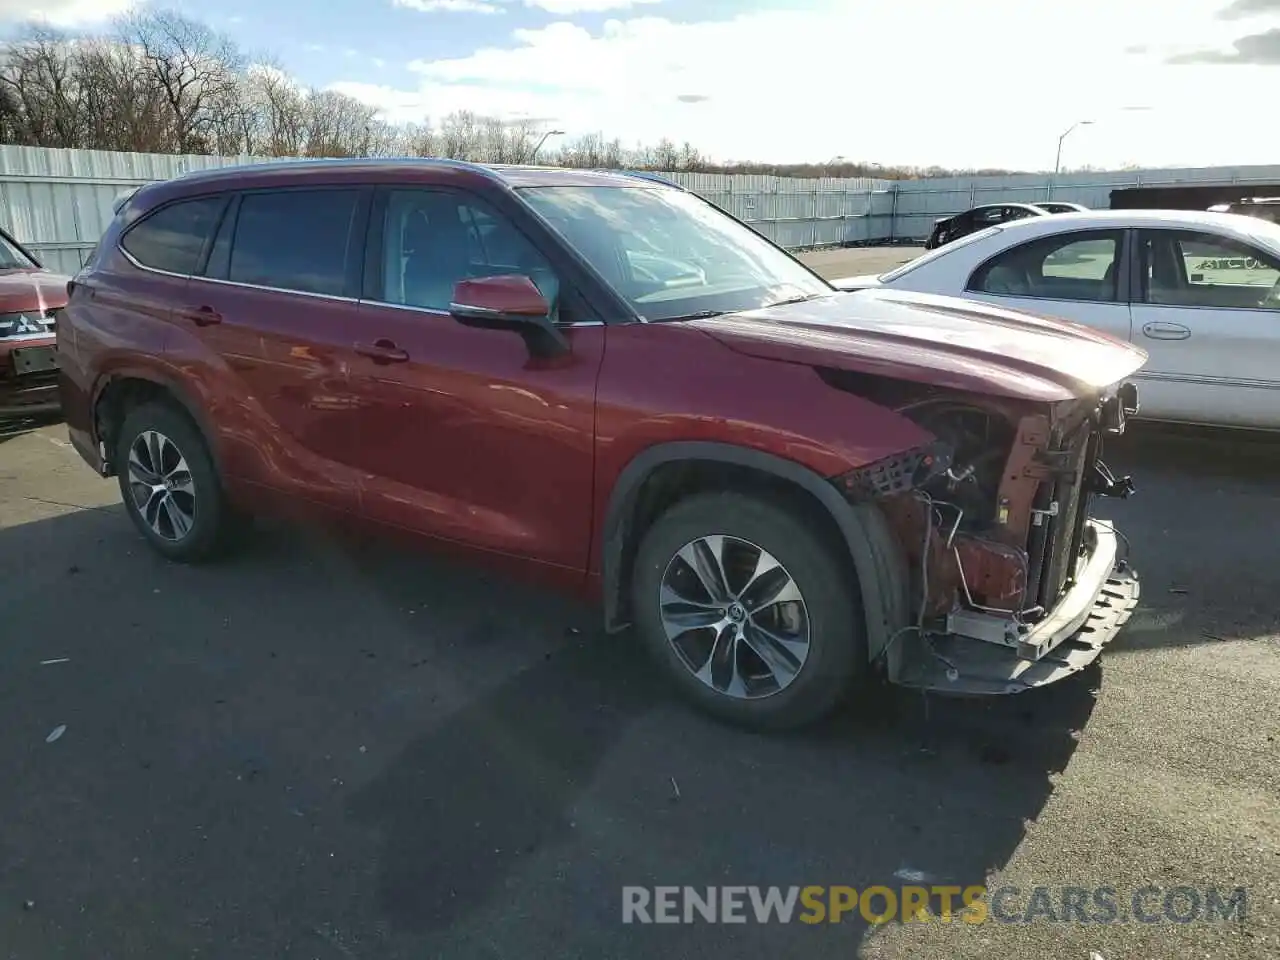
670 254
11 258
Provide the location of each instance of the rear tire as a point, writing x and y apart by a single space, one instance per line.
729 646
170 485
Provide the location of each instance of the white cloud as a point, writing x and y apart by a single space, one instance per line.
62 13
989 83
558 7
448 6
564 7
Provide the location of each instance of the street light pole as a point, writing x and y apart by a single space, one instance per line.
1057 164
533 154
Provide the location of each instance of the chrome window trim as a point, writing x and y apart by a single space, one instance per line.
319 296
445 313
232 283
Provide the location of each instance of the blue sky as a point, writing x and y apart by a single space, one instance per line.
949 82
373 41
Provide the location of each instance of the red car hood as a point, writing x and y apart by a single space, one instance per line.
31 290
946 341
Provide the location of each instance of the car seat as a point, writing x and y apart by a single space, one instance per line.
436 246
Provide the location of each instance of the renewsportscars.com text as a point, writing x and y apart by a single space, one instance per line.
908 904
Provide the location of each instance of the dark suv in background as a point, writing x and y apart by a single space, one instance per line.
606 383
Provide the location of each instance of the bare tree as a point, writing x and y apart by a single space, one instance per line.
164 83
195 69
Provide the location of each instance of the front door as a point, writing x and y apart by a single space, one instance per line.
1208 315
464 435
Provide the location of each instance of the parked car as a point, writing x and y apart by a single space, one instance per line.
30 298
1265 208
786 490
947 229
1200 292
1059 206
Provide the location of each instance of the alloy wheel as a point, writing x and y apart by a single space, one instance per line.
734 616
160 482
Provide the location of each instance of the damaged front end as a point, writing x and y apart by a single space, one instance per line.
1013 584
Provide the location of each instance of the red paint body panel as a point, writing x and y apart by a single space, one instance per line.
473 440
273 376
959 345
708 392
34 291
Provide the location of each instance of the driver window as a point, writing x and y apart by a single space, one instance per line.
1187 269
432 239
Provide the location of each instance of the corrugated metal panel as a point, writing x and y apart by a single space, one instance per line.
920 202
59 201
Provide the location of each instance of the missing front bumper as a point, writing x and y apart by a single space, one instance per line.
1071 637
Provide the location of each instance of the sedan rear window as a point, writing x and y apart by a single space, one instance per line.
933 254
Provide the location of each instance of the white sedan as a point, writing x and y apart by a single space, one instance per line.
1199 291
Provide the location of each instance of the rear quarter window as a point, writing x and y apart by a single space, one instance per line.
172 238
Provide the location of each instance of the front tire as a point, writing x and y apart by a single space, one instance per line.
170 485
752 613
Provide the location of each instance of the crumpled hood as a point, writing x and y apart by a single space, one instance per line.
947 341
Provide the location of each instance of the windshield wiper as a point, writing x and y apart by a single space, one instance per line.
698 315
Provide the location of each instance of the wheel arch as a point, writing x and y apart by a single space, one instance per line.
122 389
860 530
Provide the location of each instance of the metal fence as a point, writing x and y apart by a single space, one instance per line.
921 202
58 202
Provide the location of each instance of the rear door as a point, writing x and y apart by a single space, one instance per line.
1207 313
269 319
1078 276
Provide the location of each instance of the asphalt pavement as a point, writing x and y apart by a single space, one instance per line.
322 749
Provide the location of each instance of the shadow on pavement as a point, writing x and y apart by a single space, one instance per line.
318 750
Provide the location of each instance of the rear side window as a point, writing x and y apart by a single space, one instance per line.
172 238
294 240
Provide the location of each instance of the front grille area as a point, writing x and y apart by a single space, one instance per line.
1054 546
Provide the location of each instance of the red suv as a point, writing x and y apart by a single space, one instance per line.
605 382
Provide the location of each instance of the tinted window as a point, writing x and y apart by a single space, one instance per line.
432 239
1074 266
1203 270
172 238
294 240
219 261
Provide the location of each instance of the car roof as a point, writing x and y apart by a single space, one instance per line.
1119 219
514 175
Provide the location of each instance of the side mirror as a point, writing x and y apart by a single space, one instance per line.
510 302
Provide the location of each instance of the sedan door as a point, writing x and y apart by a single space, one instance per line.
466 436
1207 313
1078 275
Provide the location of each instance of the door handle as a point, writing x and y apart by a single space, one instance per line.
203 316
382 350
1157 330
